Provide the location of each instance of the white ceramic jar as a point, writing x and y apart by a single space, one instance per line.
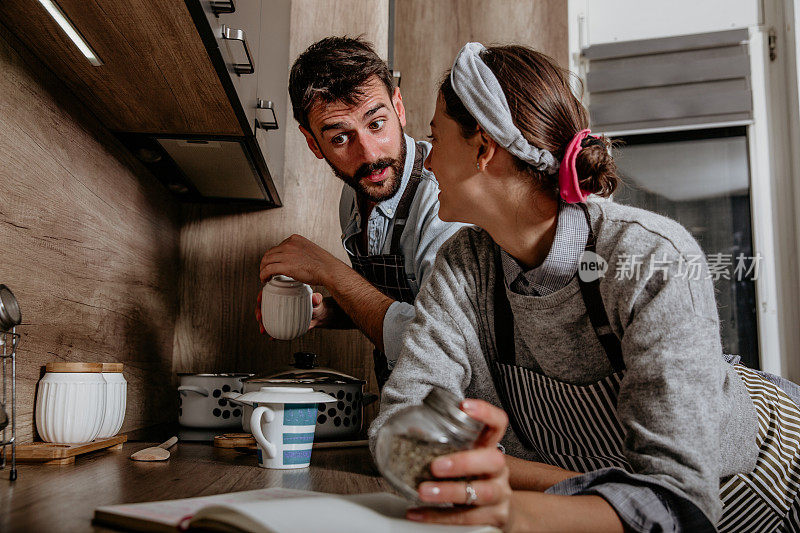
71 402
116 399
286 307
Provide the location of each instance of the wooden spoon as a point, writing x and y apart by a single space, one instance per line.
155 453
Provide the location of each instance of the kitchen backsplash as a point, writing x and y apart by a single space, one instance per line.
88 244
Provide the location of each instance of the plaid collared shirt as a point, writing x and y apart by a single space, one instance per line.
561 263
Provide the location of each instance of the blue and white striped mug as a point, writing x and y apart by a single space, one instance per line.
283 423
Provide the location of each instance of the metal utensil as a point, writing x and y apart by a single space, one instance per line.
10 315
10 318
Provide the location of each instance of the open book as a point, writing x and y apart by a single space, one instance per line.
275 510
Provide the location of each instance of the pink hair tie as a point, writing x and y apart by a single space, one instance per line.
568 175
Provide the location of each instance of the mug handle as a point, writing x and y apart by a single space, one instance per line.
193 388
255 427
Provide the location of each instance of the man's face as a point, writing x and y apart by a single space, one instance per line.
363 143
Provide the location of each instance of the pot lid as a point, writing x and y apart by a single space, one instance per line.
317 376
305 368
285 395
202 375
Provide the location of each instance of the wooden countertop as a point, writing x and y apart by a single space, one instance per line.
63 498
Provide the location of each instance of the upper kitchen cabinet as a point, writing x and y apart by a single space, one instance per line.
196 90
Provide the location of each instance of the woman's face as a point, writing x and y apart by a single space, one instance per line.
453 159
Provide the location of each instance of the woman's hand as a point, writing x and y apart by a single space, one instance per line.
492 501
486 499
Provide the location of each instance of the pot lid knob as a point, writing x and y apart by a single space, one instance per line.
305 360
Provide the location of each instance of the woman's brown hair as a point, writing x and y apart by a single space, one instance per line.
547 113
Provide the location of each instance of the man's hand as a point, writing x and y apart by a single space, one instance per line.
354 301
302 260
320 312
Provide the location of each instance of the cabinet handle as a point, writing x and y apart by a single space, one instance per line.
219 7
270 124
231 34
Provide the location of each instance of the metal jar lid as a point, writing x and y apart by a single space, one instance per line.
447 405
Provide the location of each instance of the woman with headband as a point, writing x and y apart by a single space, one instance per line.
624 413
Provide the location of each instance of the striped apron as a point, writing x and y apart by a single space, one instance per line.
576 426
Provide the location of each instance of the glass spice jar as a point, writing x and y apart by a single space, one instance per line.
412 438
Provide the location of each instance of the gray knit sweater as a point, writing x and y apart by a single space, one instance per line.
688 418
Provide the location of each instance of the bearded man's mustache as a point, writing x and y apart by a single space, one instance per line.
367 169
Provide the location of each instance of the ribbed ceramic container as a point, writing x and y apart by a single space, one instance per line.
116 399
286 308
70 406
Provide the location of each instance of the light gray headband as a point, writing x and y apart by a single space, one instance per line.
480 92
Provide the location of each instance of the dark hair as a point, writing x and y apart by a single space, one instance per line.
547 113
334 69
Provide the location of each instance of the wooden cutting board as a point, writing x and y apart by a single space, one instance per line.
245 441
62 454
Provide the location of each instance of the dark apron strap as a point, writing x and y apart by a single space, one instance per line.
505 348
404 206
593 299
503 316
590 292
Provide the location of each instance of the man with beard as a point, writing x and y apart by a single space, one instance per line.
353 117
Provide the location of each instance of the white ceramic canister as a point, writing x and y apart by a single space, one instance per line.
116 399
71 402
286 307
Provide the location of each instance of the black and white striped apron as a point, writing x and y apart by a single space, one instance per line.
576 426
387 272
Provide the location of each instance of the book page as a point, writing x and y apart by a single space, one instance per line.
361 513
173 513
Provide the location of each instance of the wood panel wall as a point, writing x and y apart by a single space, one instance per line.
88 243
221 249
429 34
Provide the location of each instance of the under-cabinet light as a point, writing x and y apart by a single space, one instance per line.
71 32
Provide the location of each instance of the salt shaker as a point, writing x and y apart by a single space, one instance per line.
411 439
286 307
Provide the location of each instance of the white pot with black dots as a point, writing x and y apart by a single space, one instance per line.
201 403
